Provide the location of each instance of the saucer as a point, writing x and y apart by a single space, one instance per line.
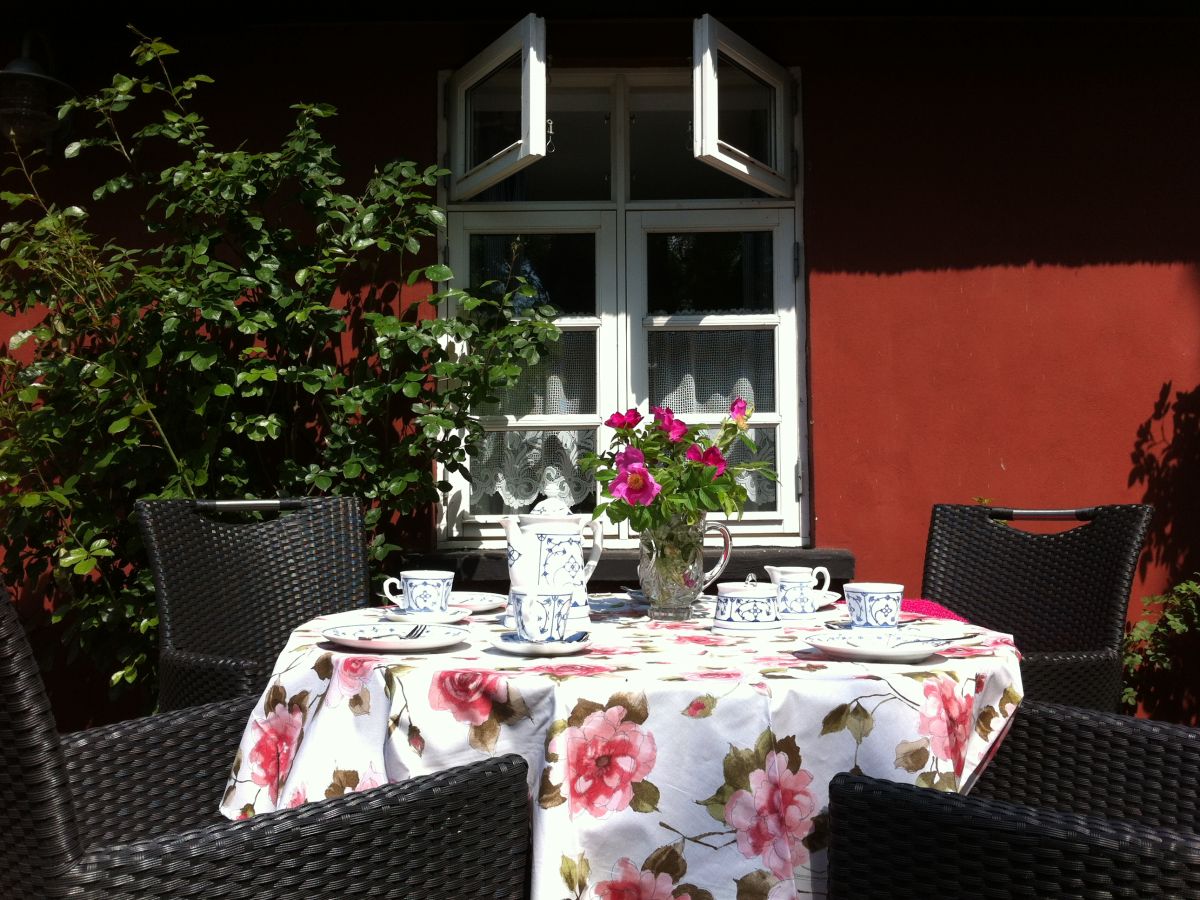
395 637
745 627
510 642
396 614
885 644
478 601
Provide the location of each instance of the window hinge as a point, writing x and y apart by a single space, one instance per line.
796 261
799 482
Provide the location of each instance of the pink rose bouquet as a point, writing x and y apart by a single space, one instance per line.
662 469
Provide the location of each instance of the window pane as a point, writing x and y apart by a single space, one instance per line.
746 111
560 267
494 113
563 383
577 162
709 272
517 469
705 371
662 164
762 491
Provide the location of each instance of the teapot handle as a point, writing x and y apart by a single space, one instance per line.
597 548
715 572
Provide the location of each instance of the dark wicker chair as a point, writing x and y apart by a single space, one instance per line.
130 810
1062 596
1076 803
230 592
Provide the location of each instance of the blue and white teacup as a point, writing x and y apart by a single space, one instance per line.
873 604
746 607
425 590
540 616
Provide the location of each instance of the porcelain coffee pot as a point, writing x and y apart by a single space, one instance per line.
546 551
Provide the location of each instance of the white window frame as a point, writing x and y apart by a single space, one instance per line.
458 525
790 526
527 38
781 322
710 39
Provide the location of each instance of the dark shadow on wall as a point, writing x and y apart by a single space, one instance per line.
1166 463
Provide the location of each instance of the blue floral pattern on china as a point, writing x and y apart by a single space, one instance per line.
541 617
737 609
426 594
873 610
796 599
561 565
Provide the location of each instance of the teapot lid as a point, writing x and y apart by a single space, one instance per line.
551 506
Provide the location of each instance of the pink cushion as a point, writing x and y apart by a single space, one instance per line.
929 608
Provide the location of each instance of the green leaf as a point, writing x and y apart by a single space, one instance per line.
222 390
120 425
72 150
30 500
438 273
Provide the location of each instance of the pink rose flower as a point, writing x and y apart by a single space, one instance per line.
567 670
635 485
674 428
468 693
628 419
349 675
604 757
774 816
697 707
946 718
630 883
710 457
630 456
740 411
277 737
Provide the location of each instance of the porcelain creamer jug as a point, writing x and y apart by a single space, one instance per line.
547 552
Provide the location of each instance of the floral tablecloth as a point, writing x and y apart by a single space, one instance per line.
667 762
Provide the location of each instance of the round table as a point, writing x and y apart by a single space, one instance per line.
666 760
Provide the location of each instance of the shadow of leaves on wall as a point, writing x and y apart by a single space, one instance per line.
1166 463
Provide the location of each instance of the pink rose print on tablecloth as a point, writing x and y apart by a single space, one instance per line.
704 640
632 883
370 779
349 676
713 675
299 798
774 816
468 694
946 718
275 742
606 757
987 647
569 670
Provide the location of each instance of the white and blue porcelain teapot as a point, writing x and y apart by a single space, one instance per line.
546 551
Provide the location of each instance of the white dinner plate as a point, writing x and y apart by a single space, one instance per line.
899 645
478 601
396 614
386 636
510 642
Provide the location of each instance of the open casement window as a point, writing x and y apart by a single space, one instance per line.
498 109
742 109
676 279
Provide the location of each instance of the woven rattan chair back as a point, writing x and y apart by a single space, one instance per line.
238 588
40 836
1062 591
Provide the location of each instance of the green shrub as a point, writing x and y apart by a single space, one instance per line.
1150 645
249 342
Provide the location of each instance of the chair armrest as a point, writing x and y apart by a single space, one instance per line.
457 834
1080 760
899 841
1088 678
190 679
154 774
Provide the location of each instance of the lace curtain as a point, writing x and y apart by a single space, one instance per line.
516 469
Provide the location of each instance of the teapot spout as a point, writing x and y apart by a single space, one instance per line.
512 528
773 572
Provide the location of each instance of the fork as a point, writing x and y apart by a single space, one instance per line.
415 632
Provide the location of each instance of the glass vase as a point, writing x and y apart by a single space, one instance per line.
671 566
